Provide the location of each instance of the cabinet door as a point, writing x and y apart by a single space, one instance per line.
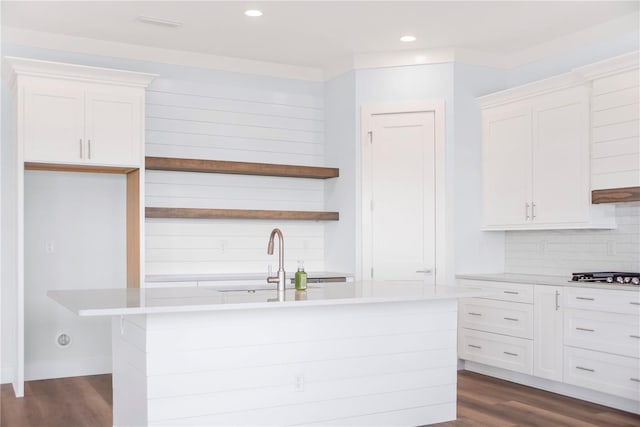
506 157
53 123
113 126
561 188
547 332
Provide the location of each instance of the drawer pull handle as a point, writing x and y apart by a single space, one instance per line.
586 299
635 379
513 319
585 369
474 346
634 303
634 336
585 329
511 292
475 314
509 353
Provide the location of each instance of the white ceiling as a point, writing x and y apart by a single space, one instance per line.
318 33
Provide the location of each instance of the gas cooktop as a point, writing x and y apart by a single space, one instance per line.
608 277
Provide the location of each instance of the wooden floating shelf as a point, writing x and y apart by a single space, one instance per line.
242 168
614 195
151 212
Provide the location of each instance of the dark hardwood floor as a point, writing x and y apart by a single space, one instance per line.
482 401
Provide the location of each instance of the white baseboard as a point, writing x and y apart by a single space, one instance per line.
67 368
7 375
593 396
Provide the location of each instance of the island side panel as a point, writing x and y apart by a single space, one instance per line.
129 379
345 364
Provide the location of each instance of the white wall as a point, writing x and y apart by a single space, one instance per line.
226 116
476 251
340 193
75 238
586 54
8 225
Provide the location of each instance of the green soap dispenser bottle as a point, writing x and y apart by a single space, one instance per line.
301 277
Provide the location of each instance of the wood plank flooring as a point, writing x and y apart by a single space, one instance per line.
482 402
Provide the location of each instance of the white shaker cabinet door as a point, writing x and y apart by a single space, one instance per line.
113 126
547 332
561 192
53 123
506 165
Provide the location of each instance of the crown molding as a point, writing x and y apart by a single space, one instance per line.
529 90
59 70
615 65
577 76
67 43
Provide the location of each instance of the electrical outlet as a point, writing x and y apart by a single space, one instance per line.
49 247
298 382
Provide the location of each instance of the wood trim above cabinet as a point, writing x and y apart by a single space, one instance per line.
242 168
194 213
615 195
31 166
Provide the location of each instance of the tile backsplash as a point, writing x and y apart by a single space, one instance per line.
561 252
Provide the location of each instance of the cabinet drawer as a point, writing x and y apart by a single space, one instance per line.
615 301
514 354
500 317
607 332
608 373
502 291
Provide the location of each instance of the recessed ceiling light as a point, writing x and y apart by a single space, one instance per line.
253 12
407 39
158 21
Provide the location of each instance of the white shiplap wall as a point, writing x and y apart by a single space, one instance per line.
214 120
565 251
615 131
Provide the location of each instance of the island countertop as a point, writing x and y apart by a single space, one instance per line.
115 302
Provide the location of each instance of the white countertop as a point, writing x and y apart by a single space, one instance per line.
533 279
110 302
224 277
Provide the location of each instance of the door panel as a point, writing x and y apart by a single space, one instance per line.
561 157
113 123
403 194
506 157
53 124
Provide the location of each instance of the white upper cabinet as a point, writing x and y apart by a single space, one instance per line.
112 126
77 115
536 158
507 153
53 122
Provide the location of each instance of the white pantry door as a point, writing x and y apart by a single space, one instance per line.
402 185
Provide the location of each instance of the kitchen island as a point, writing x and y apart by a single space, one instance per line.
360 353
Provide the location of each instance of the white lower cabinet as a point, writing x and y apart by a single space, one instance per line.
584 338
608 373
497 330
503 351
547 333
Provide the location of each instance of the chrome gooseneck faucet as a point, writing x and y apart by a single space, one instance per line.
280 279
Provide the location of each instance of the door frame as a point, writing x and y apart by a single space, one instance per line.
443 268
